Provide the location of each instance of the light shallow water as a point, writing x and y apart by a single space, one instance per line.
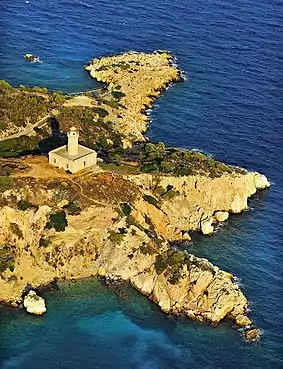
230 107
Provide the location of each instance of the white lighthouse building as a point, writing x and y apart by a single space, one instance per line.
73 157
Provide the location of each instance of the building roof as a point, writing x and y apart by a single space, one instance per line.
62 151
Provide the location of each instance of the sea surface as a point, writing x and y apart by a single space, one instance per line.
230 107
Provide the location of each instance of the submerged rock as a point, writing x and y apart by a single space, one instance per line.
34 304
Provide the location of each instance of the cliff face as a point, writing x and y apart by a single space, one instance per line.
126 238
178 205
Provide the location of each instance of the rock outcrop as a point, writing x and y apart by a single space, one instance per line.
34 304
198 203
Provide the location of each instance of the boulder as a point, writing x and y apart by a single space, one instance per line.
34 304
207 227
261 181
221 216
252 334
242 321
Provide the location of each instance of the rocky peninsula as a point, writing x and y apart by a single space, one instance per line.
120 219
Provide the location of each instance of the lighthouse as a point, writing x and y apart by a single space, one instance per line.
73 142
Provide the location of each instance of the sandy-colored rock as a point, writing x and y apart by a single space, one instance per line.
186 236
62 203
261 181
207 227
221 216
34 304
242 321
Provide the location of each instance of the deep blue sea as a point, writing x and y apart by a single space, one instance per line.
230 107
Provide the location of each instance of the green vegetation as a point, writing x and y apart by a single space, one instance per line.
151 200
16 230
178 162
5 183
45 242
58 221
116 237
20 106
7 258
72 208
25 204
101 112
171 261
18 146
118 94
126 209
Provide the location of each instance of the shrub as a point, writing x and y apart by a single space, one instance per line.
126 209
170 194
24 205
147 168
16 230
72 208
113 104
172 262
58 221
5 183
57 98
160 264
3 126
4 85
7 258
101 112
118 94
151 200
44 242
122 230
115 237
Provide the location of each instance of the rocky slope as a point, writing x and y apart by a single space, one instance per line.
123 234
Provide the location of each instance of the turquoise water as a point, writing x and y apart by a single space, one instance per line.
230 107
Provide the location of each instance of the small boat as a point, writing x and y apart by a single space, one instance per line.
32 58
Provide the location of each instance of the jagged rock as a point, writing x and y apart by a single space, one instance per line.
252 335
221 216
242 321
34 304
206 227
186 236
261 181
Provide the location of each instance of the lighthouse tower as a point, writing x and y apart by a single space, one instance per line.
73 142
